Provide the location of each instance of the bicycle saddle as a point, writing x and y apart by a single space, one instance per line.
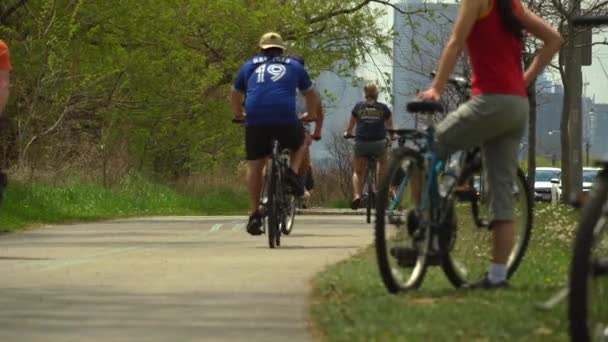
425 107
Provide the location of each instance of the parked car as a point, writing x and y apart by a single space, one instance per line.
589 174
542 182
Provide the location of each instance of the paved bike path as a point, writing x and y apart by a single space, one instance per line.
166 279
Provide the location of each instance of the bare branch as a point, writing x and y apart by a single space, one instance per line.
354 9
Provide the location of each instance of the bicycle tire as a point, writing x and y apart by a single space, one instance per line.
371 176
391 275
580 266
290 215
458 273
273 206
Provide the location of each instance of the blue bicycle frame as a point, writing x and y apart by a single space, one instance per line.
431 186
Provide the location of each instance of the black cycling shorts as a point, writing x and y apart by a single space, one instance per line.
258 139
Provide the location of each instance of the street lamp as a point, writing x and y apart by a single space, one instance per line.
553 156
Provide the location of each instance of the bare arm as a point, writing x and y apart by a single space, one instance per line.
468 13
351 125
312 102
318 122
388 123
4 89
236 103
550 37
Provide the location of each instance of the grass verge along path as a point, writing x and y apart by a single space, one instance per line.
31 204
351 304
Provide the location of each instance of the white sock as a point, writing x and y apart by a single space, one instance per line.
497 273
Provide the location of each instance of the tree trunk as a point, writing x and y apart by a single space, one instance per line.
571 137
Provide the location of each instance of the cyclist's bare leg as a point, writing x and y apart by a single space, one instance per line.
359 168
380 168
305 164
503 236
255 176
297 157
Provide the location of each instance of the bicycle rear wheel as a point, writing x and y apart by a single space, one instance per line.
394 232
289 215
274 214
466 237
371 195
588 299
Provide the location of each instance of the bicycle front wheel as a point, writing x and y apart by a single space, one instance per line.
402 240
588 299
469 239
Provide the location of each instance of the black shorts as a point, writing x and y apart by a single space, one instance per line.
258 139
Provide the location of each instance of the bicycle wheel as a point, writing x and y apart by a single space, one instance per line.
289 214
274 215
588 300
371 177
394 232
466 237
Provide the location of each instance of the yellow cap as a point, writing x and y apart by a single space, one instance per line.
272 40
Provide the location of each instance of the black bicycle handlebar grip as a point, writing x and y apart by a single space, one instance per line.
238 121
590 20
348 136
316 138
425 107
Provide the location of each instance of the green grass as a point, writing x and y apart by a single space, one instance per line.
32 204
338 204
351 303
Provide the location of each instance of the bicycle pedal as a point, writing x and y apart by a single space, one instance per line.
600 266
406 256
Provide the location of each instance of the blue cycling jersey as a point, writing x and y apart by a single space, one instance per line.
269 84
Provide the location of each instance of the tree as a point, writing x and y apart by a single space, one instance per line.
560 14
145 83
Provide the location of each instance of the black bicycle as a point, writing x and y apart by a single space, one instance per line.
369 189
421 225
588 298
278 202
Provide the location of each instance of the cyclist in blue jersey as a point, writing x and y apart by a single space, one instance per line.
269 82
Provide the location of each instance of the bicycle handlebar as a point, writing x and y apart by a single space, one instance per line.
590 20
457 81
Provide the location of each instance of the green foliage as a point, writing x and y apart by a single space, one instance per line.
96 83
31 204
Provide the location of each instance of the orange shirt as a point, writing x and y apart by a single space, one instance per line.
5 61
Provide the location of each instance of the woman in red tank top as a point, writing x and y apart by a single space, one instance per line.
496 115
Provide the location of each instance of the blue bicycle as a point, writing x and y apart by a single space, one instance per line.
422 224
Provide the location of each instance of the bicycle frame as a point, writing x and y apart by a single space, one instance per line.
431 181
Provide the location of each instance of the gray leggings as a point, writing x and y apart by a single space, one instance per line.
496 123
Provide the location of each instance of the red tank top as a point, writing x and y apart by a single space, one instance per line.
496 56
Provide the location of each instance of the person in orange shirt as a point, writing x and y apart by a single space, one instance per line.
5 69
